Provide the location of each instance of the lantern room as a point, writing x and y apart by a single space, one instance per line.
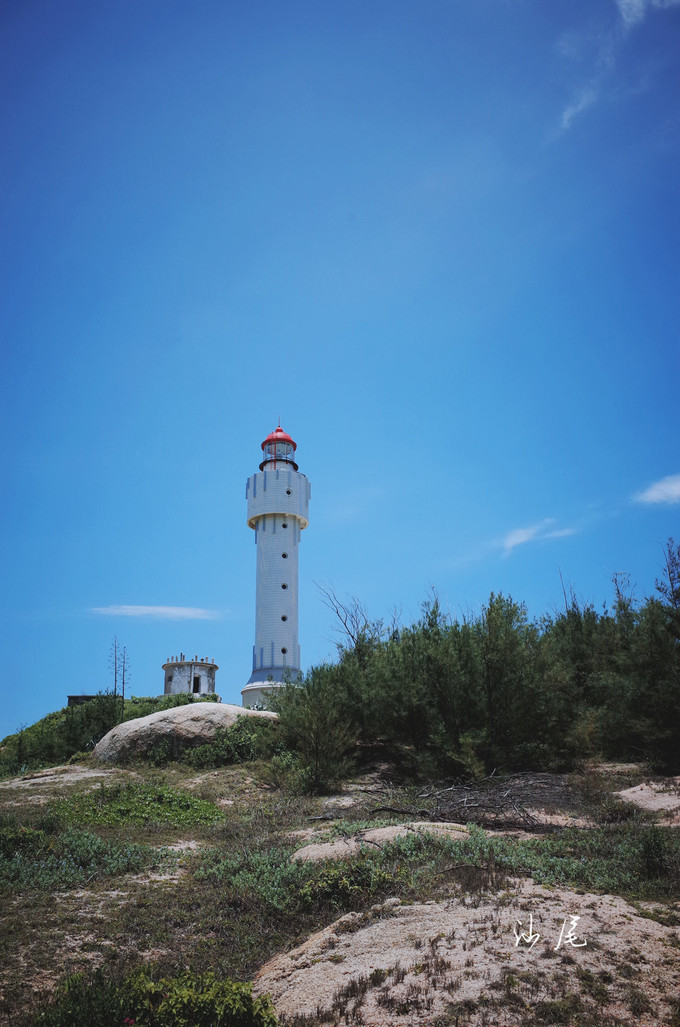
278 450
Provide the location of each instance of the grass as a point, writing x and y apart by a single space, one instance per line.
79 879
135 804
34 860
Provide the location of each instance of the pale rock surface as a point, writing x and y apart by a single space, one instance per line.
410 964
187 726
374 836
659 796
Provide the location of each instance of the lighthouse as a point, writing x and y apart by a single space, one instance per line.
278 506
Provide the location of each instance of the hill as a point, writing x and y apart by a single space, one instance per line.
375 905
76 729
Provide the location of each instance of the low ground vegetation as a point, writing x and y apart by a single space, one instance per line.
105 878
154 893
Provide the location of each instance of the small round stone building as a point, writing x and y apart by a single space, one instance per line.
193 677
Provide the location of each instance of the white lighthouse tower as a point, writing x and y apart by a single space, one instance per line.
278 506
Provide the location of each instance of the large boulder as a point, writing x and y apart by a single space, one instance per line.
183 726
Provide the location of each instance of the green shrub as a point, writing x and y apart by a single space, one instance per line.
189 1000
136 804
315 725
32 859
160 753
250 738
338 883
627 858
655 858
268 875
282 771
15 839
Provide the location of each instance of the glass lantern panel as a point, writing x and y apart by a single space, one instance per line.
284 451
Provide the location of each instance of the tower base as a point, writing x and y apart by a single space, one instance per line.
262 683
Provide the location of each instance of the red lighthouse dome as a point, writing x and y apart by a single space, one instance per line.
278 448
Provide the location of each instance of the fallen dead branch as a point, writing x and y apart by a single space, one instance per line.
489 803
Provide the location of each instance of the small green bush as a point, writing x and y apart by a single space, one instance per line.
32 859
338 883
15 839
250 738
136 804
655 859
267 876
189 1000
315 725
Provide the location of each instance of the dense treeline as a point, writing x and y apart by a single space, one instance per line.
447 697
497 689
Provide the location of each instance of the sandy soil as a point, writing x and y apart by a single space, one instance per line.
410 963
658 796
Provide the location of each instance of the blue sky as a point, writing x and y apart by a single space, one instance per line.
438 240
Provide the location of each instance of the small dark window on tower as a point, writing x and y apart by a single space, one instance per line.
284 555
284 617
284 586
284 525
288 492
197 683
284 650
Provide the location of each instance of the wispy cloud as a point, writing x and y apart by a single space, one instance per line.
667 490
158 612
535 533
631 13
585 99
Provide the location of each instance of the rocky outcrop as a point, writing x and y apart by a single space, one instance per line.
480 959
183 726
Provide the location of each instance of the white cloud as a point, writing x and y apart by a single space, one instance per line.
632 13
159 612
519 536
560 533
586 98
535 533
667 490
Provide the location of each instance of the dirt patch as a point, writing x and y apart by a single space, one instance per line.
544 819
419 960
187 845
657 796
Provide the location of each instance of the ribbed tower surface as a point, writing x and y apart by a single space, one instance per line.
278 507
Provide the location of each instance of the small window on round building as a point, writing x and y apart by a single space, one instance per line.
284 586
284 650
284 617
284 555
284 525
288 492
